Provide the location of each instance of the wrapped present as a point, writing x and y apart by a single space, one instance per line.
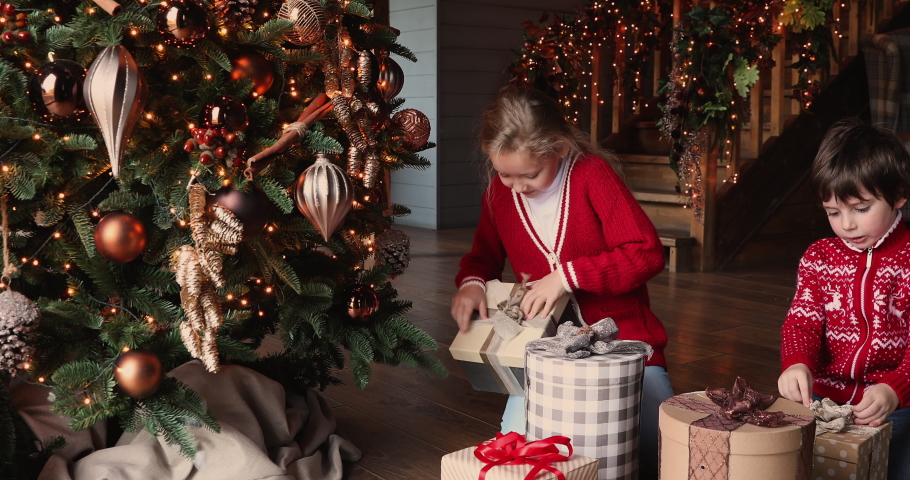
845 451
586 385
735 435
512 457
492 352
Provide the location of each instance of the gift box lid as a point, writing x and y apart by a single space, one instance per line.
463 465
596 370
679 413
849 447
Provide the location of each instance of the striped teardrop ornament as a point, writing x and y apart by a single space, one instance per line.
324 195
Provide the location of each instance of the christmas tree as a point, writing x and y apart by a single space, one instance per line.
155 159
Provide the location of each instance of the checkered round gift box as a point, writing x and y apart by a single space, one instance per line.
595 401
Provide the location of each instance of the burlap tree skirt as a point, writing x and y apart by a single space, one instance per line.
266 433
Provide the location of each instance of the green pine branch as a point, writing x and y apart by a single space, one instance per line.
79 141
357 8
235 350
85 230
272 31
124 200
169 413
277 193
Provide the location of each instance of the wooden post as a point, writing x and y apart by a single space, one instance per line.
733 159
853 32
595 96
779 108
381 9
836 32
677 12
619 100
704 231
795 107
756 122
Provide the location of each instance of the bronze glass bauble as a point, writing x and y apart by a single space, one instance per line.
182 23
120 237
391 77
139 373
362 301
56 88
255 67
415 126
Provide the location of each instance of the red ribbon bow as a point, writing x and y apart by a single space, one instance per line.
513 449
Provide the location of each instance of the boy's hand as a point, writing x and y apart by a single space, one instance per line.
465 301
542 296
878 402
796 383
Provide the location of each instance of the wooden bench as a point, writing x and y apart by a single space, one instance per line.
682 250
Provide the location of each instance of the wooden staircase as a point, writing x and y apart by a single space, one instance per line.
758 206
647 173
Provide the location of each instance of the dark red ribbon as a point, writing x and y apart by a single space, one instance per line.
513 449
747 405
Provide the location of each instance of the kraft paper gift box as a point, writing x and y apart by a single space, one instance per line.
697 442
491 363
595 401
851 456
464 465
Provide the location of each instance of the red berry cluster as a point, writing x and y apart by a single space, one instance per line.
214 142
14 24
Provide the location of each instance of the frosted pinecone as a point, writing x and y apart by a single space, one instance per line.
18 317
393 248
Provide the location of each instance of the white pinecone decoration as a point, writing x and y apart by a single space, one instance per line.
236 11
393 248
18 317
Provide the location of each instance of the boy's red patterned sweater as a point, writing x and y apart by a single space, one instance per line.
606 249
849 319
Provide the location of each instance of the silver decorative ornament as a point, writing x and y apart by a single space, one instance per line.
115 92
308 17
324 195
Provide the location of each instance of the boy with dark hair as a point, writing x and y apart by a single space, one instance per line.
846 334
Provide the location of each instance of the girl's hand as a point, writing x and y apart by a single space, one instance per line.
878 402
796 384
465 301
543 295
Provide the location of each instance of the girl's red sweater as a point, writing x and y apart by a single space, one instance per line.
850 318
606 249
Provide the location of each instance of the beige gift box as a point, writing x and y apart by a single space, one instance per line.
463 465
491 363
696 443
848 456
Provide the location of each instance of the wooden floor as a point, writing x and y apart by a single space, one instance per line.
720 325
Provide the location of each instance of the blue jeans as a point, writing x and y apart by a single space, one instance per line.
655 390
899 452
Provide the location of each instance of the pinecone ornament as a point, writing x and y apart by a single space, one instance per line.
236 11
18 317
393 248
